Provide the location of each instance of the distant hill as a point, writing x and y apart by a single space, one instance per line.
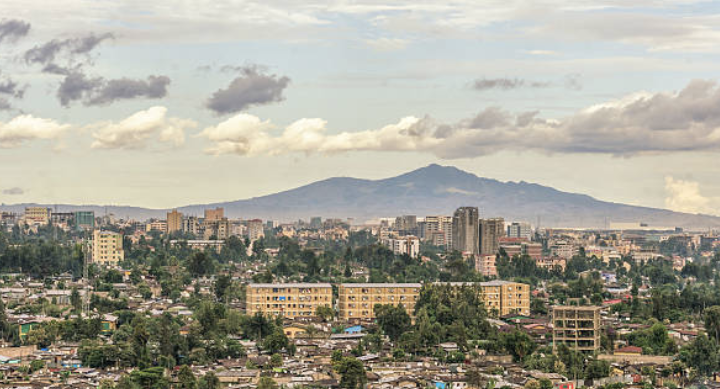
432 190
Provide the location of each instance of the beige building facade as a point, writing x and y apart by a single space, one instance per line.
357 301
107 247
290 300
174 221
503 297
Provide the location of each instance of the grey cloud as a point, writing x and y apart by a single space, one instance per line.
76 85
13 191
98 91
4 104
52 68
570 81
507 84
253 87
12 30
47 53
11 88
154 87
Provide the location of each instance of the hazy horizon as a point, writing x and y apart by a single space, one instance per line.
162 105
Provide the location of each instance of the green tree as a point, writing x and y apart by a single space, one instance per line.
75 300
200 264
712 322
186 378
275 341
222 285
519 344
352 373
267 383
701 354
393 320
4 323
597 369
209 381
325 312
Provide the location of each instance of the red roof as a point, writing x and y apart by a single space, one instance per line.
612 302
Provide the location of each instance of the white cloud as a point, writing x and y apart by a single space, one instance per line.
642 123
685 196
25 128
246 134
137 130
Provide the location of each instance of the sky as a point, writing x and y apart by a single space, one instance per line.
168 103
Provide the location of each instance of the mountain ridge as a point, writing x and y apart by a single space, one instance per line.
431 190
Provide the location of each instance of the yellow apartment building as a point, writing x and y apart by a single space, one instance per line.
107 247
174 221
289 300
357 301
503 297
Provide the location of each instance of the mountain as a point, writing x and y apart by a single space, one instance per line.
432 190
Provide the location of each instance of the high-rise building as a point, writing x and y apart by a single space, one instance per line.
255 229
191 225
578 327
519 230
406 225
214 214
439 224
357 301
85 220
107 247
288 300
174 221
465 230
491 230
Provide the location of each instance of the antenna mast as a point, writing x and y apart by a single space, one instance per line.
87 254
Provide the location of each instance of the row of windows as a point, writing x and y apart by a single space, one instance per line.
382 290
288 298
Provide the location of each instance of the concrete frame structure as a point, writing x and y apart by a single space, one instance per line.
577 326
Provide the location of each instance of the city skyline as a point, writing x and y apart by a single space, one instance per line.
160 106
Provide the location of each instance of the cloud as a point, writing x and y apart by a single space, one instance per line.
571 81
74 86
99 91
136 131
25 128
47 53
642 123
506 84
685 196
11 88
245 134
12 29
13 191
253 87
